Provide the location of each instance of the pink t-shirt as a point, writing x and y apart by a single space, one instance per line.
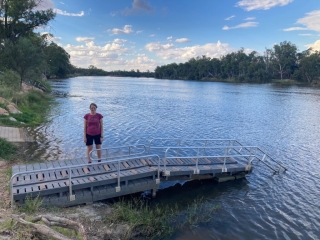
93 123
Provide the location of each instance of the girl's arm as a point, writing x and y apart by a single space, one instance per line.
101 127
85 131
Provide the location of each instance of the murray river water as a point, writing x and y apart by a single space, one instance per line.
284 121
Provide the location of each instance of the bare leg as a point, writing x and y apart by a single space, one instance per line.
89 149
99 152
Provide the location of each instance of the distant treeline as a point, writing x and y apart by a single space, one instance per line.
94 71
281 62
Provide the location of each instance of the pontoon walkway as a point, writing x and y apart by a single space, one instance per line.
130 169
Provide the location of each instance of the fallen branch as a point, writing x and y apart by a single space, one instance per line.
52 221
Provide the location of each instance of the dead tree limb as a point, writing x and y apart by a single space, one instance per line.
52 221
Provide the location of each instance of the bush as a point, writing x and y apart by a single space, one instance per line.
10 79
7 149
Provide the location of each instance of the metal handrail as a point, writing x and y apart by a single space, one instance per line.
128 155
182 139
264 156
72 197
232 143
249 157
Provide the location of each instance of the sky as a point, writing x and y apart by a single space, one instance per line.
143 34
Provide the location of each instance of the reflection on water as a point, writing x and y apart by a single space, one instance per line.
283 121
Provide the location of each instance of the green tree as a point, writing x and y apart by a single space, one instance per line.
20 17
283 58
58 61
24 57
309 66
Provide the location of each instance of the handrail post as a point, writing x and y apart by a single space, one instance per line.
166 173
179 142
204 147
158 179
71 196
197 171
118 189
11 189
224 169
150 142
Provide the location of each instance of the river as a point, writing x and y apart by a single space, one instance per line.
281 120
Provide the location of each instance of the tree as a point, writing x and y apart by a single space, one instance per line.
19 17
283 58
25 57
58 61
309 66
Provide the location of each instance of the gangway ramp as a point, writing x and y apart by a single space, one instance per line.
127 169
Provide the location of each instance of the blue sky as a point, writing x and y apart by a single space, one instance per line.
143 34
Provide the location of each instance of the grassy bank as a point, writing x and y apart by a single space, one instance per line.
34 106
159 222
276 81
7 149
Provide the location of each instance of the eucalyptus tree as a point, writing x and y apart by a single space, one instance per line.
58 61
309 66
20 17
283 58
25 57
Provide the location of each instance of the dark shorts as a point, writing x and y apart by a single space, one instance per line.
91 139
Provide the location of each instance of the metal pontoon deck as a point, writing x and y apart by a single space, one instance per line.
130 169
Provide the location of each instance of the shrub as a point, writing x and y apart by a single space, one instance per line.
10 79
7 149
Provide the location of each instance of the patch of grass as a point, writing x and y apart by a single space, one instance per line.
142 219
34 107
70 233
198 212
5 121
31 205
285 81
7 225
155 222
7 149
2 105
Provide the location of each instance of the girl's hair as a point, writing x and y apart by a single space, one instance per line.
93 104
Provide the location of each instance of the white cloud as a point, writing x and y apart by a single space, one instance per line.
140 31
306 34
138 6
169 38
170 52
315 46
242 25
182 40
152 35
156 46
229 18
84 39
295 29
118 40
50 37
64 13
45 4
249 18
311 21
141 62
127 29
91 54
250 5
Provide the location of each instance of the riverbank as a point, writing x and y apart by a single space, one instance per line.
273 81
